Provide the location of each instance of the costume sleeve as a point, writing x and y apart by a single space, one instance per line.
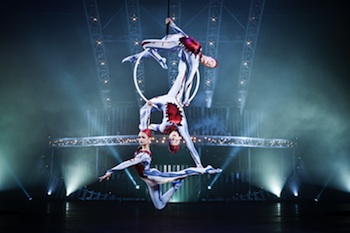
131 162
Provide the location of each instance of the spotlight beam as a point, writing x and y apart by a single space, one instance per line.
17 181
324 186
119 160
233 154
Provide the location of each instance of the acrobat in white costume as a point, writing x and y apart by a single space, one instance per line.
190 52
153 177
174 117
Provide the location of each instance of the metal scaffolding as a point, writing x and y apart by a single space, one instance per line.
249 46
173 60
211 45
211 48
98 47
135 38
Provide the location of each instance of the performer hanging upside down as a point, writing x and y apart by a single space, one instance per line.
174 121
153 177
190 52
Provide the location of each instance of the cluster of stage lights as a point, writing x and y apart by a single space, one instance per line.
127 140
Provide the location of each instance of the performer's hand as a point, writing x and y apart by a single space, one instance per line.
169 21
105 176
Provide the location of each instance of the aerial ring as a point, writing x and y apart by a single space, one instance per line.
135 76
138 87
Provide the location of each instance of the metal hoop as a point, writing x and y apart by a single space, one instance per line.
135 76
137 85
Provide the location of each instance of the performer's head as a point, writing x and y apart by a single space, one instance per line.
209 62
148 132
174 141
144 137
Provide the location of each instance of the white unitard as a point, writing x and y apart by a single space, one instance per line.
155 178
173 114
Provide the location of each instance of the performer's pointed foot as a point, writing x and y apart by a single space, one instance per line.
130 59
162 63
210 170
177 183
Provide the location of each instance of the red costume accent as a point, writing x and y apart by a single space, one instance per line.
191 45
174 114
140 168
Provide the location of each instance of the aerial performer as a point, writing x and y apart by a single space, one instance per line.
174 122
152 177
189 49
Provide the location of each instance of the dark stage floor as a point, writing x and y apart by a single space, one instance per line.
114 216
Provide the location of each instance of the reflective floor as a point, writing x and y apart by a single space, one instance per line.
114 216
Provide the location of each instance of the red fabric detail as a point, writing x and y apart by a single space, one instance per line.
144 42
191 45
140 168
138 151
173 114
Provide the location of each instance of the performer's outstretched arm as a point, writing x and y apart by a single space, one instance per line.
127 163
123 165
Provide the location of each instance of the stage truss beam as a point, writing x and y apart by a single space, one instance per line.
131 140
135 39
249 46
211 47
173 59
98 46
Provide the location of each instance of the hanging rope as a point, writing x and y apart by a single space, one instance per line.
168 16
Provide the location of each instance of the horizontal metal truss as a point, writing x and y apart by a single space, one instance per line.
131 140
